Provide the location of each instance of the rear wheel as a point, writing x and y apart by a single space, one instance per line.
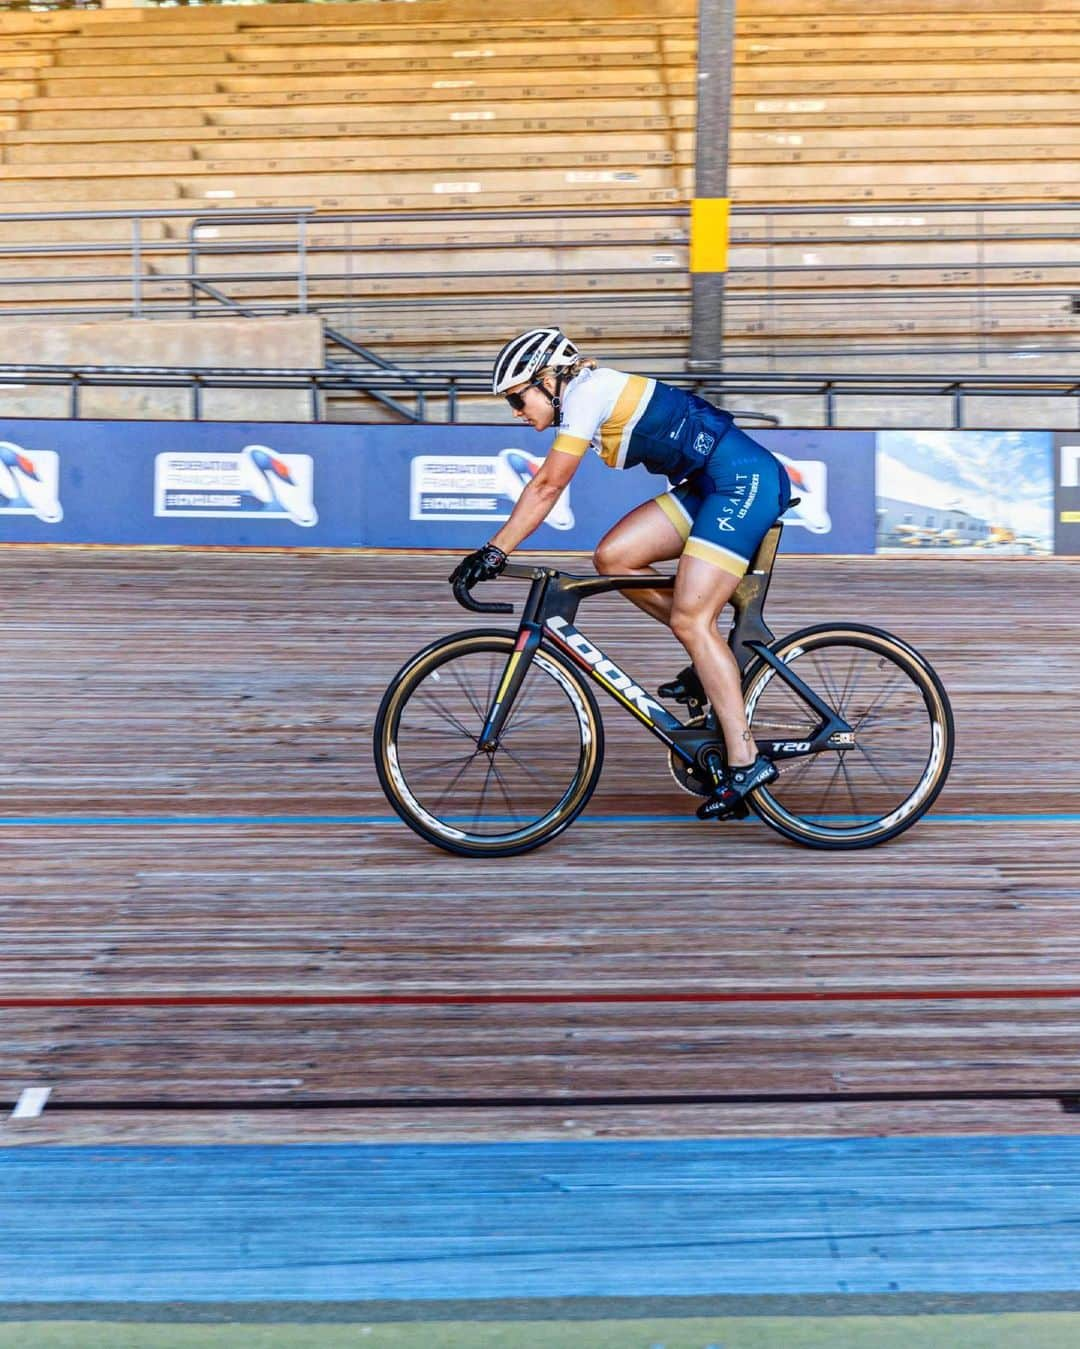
866 793
475 802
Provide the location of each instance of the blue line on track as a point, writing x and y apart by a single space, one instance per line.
356 1222
111 821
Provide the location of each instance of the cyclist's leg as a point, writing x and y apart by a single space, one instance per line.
702 588
629 548
729 524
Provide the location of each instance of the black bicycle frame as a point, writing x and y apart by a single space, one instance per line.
551 608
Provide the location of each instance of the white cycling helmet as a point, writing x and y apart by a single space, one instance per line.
523 356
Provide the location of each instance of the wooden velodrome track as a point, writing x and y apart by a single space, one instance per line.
213 926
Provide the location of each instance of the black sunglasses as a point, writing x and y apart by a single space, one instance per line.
517 400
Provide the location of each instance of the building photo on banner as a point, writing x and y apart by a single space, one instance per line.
965 491
236 484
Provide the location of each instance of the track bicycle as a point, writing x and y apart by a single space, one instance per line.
490 743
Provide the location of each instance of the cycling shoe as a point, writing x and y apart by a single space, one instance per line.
685 688
728 799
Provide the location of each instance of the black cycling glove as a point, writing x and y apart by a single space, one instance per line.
483 565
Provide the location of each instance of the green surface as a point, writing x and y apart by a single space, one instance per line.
1042 1330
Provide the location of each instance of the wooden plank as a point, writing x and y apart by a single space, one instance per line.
551 91
255 40
1047 43
878 156
30 160
631 158
132 722
270 73
855 81
958 20
444 142
854 179
162 197
89 193
40 145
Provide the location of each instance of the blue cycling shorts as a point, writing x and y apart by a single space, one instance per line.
724 509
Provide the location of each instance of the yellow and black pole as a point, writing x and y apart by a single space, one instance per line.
710 208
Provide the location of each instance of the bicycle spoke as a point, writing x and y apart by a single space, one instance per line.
473 702
502 788
523 765
447 715
823 675
831 783
842 756
870 759
523 723
897 676
483 792
440 765
847 683
456 779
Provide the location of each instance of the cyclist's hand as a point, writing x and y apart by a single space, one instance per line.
483 565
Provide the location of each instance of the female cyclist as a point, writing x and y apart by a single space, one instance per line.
727 491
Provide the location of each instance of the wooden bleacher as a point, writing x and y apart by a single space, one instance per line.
454 105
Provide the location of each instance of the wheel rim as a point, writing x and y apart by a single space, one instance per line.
467 795
900 752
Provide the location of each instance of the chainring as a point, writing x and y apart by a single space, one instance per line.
686 775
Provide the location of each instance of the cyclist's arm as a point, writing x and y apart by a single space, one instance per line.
537 498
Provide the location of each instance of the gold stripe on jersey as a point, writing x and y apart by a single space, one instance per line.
570 444
615 432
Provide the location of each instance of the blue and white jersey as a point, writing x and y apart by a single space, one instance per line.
630 420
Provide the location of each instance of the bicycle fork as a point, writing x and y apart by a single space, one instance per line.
517 667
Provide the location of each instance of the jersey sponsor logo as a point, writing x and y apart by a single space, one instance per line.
477 487
606 669
30 482
259 483
703 443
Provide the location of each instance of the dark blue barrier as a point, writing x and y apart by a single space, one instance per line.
285 484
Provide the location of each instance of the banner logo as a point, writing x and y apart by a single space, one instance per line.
809 482
30 483
477 487
258 483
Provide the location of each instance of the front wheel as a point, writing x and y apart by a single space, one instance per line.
475 802
874 789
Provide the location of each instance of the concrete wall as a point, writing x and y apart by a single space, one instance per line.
220 343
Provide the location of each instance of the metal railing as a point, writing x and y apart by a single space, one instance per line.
443 392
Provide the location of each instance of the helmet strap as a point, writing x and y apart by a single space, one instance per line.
556 399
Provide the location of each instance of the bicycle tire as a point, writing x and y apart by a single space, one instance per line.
567 732
784 804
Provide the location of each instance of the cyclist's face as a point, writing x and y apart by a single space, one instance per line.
536 407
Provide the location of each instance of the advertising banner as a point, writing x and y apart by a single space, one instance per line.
1067 495
286 484
986 493
179 483
832 473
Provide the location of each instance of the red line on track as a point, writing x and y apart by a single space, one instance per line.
256 1000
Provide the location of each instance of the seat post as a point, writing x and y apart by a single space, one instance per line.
748 601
